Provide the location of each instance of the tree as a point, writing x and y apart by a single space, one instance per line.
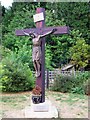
73 14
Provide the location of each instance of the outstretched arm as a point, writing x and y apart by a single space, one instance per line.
48 33
26 33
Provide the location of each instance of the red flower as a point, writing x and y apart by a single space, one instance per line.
37 90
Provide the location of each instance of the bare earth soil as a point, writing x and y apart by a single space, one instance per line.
68 105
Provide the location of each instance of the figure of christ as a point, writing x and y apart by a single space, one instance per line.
36 53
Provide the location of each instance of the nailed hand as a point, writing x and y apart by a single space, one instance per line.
54 30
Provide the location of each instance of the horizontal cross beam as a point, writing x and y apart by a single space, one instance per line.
60 30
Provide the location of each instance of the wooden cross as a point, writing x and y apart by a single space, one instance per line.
41 29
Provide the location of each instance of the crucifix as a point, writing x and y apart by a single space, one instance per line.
38 38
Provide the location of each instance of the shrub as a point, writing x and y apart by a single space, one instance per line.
15 75
23 53
62 83
75 84
81 82
3 52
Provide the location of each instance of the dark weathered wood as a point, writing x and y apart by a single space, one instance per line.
60 30
20 32
47 78
40 81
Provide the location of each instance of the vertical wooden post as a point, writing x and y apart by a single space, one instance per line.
47 79
40 81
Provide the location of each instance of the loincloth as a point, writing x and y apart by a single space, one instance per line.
36 54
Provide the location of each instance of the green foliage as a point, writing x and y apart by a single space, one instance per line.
80 53
60 49
15 72
74 14
16 77
62 83
23 53
73 84
48 58
81 82
3 52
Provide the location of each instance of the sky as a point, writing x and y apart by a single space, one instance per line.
6 3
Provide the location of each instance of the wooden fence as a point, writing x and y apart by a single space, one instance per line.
50 76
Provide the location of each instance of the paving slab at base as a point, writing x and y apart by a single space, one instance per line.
42 110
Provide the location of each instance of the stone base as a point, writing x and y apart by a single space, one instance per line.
41 110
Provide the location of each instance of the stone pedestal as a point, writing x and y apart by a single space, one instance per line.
41 110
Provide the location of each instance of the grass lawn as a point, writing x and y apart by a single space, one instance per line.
69 105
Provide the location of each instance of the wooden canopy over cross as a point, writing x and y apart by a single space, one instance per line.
41 29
